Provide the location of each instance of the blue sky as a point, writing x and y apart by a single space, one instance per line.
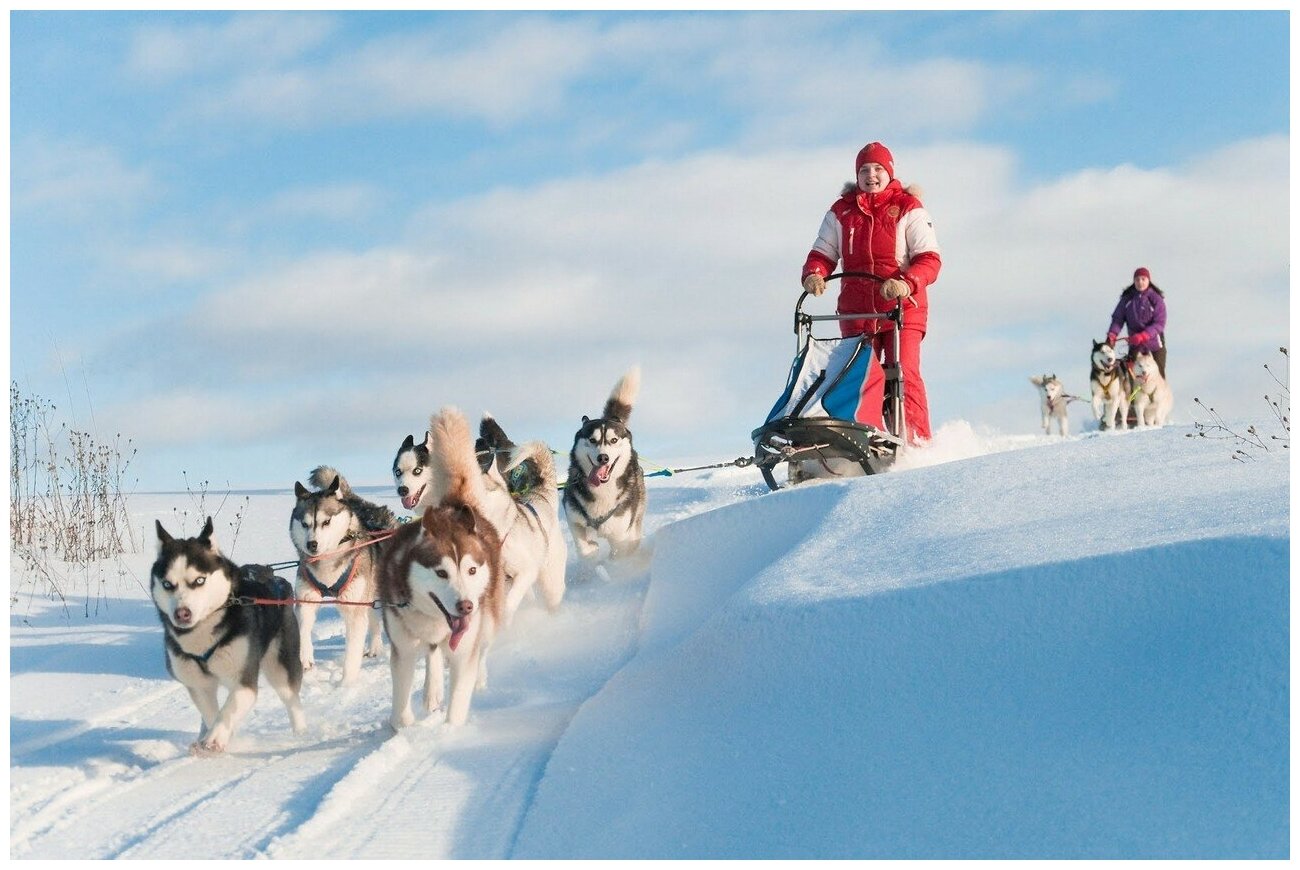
258 242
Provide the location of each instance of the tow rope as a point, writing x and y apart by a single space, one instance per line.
739 462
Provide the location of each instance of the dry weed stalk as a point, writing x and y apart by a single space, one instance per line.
1280 406
67 504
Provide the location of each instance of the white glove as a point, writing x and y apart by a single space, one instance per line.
815 284
895 288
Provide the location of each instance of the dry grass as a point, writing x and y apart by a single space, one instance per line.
67 502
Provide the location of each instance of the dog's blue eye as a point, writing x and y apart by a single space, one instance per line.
595 441
419 469
199 581
168 585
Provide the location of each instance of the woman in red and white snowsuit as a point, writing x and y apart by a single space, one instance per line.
877 226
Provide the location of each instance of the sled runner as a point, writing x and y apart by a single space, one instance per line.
827 422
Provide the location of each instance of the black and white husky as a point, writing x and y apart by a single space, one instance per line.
1055 403
330 529
411 472
1110 387
212 641
605 495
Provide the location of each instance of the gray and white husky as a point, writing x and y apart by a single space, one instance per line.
446 574
1154 400
605 495
1110 387
330 529
1055 403
213 642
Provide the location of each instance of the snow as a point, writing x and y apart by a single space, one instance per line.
1007 647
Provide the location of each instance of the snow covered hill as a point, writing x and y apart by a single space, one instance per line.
1046 649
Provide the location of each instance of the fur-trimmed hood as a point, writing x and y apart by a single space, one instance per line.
851 187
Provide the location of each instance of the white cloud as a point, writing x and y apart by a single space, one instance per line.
67 178
333 202
520 68
178 261
257 40
531 302
778 73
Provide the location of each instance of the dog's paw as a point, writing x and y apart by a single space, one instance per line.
208 748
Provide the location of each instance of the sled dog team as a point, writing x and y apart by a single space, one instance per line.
488 533
1115 387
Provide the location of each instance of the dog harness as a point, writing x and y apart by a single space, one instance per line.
201 659
332 591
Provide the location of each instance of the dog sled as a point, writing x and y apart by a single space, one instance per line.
825 423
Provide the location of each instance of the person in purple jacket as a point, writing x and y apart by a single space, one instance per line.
1141 309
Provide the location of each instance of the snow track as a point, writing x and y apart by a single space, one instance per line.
121 784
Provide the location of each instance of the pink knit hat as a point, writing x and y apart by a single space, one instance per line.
1139 272
875 153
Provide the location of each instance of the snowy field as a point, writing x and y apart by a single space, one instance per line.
1004 648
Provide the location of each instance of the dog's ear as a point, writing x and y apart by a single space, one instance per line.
407 444
205 536
466 517
333 487
300 490
428 441
163 537
1036 380
585 419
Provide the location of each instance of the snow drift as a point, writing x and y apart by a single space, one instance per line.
1065 649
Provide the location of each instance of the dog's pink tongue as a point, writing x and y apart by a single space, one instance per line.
599 474
411 499
459 625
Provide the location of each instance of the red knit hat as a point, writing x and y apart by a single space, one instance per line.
1141 272
875 153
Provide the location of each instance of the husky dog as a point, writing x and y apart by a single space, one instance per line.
527 519
329 528
210 643
522 476
411 465
1055 403
410 472
605 494
1110 387
1154 400
445 577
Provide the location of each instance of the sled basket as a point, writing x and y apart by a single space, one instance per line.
827 416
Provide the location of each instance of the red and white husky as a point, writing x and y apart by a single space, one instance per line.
442 581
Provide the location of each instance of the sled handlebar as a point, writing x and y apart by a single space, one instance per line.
802 320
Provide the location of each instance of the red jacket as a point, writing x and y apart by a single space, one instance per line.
889 234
